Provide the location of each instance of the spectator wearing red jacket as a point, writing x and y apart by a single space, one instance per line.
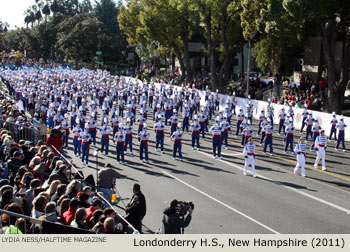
54 140
69 215
96 205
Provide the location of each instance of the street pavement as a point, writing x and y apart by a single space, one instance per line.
225 200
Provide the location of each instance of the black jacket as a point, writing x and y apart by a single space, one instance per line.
172 223
136 209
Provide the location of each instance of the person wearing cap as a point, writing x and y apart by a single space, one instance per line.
50 116
303 123
201 119
247 132
263 133
334 123
128 130
300 150
268 136
73 117
320 147
76 143
119 139
249 155
177 137
243 126
282 116
341 136
156 111
309 121
115 123
240 118
225 129
173 122
143 137
262 117
104 131
140 122
58 118
159 128
168 110
121 105
289 136
65 125
144 110
129 115
216 139
270 111
85 139
250 112
186 119
315 132
81 119
227 113
290 111
216 100
195 127
92 125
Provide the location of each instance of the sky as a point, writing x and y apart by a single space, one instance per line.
12 11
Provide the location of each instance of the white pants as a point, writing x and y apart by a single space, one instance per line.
321 153
250 160
300 163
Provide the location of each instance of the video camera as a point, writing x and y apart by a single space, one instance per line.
183 207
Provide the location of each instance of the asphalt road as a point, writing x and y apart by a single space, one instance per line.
277 201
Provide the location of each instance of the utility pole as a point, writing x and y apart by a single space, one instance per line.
248 68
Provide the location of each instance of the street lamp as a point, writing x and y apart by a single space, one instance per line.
99 47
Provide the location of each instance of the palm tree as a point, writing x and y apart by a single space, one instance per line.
32 18
38 16
55 7
27 20
46 11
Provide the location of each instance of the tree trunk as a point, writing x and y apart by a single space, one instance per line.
184 37
211 49
337 80
222 77
182 65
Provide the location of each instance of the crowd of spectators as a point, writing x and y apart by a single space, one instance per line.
34 182
309 91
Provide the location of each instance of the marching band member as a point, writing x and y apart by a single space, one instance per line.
341 136
300 150
249 155
321 146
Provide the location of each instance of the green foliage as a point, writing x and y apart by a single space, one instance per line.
78 37
278 34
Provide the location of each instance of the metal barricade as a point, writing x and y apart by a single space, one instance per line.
272 92
27 220
134 230
70 165
23 133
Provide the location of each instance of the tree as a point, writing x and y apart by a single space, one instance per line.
46 11
77 37
221 23
331 20
278 35
107 12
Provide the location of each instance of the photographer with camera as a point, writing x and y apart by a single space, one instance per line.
174 220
